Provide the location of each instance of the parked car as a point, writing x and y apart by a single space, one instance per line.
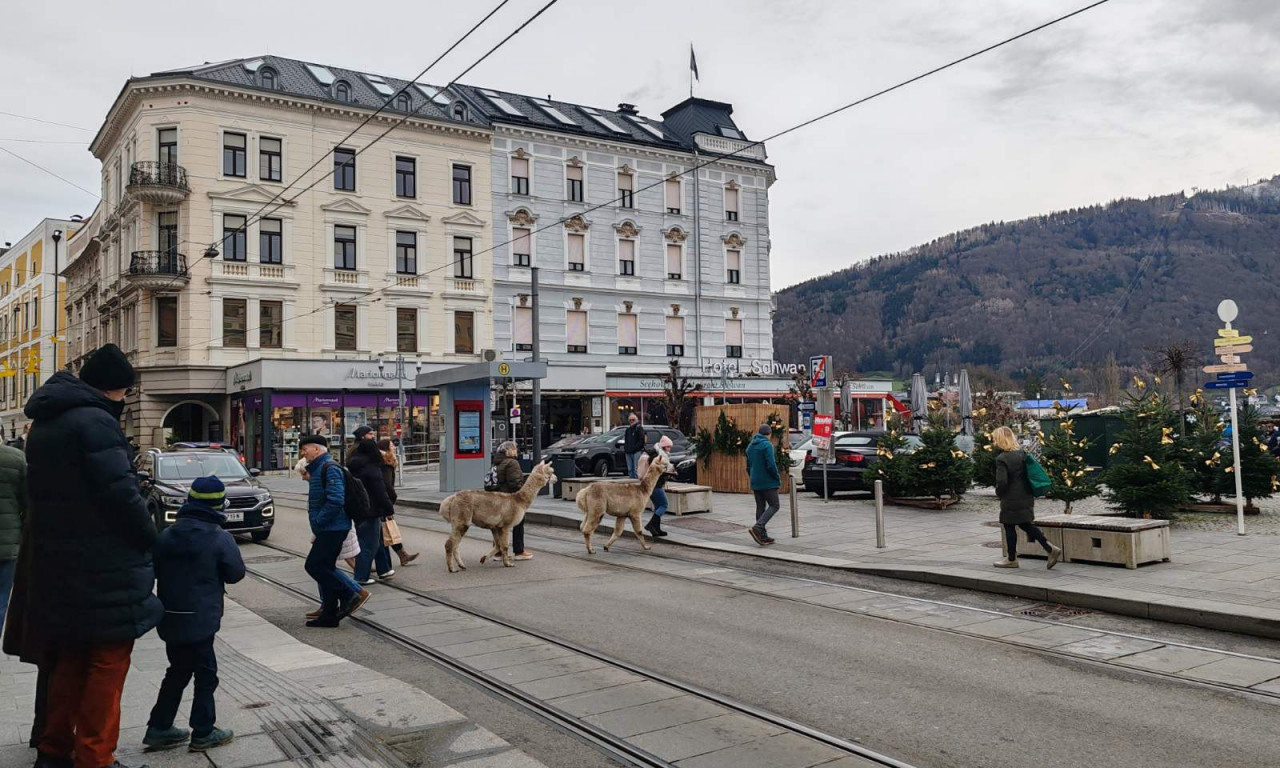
166 477
562 444
853 453
801 445
602 455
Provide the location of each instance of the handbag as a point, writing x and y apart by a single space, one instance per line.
1037 478
391 533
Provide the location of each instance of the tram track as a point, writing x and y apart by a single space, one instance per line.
846 753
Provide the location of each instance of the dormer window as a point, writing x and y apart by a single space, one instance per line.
731 133
460 111
403 103
342 91
267 78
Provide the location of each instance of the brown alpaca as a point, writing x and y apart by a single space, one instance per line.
499 512
622 500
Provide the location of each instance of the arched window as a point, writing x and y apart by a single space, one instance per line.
403 103
459 111
267 77
342 91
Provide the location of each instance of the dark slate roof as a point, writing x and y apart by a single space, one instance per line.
695 115
584 124
294 78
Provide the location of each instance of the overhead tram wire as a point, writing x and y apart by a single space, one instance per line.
51 173
721 157
258 216
46 122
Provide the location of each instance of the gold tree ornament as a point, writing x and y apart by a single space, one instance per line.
1156 379
1139 383
1115 448
1066 384
1166 436
1148 461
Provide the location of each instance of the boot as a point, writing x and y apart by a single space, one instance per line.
654 527
406 557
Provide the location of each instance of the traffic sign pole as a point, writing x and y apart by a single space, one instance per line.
1235 451
1227 312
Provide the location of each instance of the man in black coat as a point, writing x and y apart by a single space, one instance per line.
92 536
633 444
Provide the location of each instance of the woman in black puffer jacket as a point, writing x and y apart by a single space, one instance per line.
366 465
1017 502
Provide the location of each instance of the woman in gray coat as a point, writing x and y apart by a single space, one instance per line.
1017 502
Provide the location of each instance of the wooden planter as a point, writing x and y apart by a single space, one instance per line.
923 503
1223 508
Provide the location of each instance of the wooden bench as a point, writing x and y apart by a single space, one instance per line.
1099 539
682 498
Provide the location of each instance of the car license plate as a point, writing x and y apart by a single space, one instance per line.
235 517
826 461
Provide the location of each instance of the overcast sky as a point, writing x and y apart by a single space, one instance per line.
1134 98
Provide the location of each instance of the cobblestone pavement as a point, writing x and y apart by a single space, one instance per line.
288 703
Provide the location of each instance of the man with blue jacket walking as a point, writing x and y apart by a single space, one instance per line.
762 467
195 559
327 513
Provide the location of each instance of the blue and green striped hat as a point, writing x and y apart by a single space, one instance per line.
209 490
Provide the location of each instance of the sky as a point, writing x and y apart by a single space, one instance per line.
1131 99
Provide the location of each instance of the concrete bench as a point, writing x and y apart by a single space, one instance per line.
682 498
1098 539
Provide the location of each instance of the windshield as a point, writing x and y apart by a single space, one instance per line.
798 439
189 466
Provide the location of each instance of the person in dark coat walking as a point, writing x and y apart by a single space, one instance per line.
13 511
633 444
762 468
389 525
195 560
511 480
91 539
365 465
327 515
1017 502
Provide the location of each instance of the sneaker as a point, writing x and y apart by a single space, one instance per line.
525 555
216 738
166 738
354 603
766 540
367 582
328 622
1055 554
756 535
1006 564
388 575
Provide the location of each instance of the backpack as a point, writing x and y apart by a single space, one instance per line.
1037 478
356 502
491 479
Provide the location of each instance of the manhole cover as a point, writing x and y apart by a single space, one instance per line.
1053 612
266 559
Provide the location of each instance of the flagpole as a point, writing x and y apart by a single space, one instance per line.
691 59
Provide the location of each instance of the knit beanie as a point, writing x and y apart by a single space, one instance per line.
313 440
765 430
106 369
209 490
361 432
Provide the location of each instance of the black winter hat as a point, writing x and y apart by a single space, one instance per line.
314 440
107 368
361 432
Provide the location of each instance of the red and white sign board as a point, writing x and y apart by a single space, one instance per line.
822 423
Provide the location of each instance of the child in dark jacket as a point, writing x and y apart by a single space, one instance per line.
194 559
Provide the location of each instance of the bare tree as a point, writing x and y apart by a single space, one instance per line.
1175 360
675 391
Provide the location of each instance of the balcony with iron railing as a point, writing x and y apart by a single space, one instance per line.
158 182
158 270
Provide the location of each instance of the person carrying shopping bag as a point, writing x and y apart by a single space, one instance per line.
390 529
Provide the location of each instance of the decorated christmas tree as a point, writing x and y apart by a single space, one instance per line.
1205 453
941 469
894 462
984 458
1145 478
1258 468
991 411
1063 459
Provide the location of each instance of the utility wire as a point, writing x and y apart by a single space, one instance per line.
718 158
46 122
51 173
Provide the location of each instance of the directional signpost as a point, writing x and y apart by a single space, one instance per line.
1232 375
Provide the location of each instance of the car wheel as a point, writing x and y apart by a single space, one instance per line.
600 468
260 535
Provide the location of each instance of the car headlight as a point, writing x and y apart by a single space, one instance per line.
170 515
582 452
262 496
173 501
267 511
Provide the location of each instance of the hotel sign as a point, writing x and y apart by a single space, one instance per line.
750 368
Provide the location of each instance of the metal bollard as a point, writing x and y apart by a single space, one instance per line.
795 510
879 514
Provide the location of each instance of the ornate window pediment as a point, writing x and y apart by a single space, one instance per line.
574 162
627 170
674 235
521 217
577 224
627 229
734 240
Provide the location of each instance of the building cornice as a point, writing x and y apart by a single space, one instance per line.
135 91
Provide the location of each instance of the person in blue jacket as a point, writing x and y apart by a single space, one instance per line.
327 513
194 559
762 467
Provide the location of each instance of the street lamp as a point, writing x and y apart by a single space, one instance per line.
57 237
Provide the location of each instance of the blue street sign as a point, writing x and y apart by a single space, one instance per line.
806 420
1237 376
1226 384
806 406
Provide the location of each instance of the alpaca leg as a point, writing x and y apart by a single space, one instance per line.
505 547
497 547
450 548
589 523
619 525
635 526
457 547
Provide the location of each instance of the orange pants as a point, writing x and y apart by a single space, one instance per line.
84 703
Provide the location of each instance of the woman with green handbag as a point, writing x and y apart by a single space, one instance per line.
1017 499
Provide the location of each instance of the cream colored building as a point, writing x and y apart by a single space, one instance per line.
29 350
276 330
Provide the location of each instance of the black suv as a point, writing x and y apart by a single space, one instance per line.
602 455
166 477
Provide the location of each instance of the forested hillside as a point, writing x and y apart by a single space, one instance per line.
1053 293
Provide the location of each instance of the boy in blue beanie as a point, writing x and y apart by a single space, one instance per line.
194 559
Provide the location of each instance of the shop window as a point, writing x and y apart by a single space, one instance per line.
523 331
675 337
271 324
628 334
166 321
344 327
464 333
407 330
234 312
576 332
